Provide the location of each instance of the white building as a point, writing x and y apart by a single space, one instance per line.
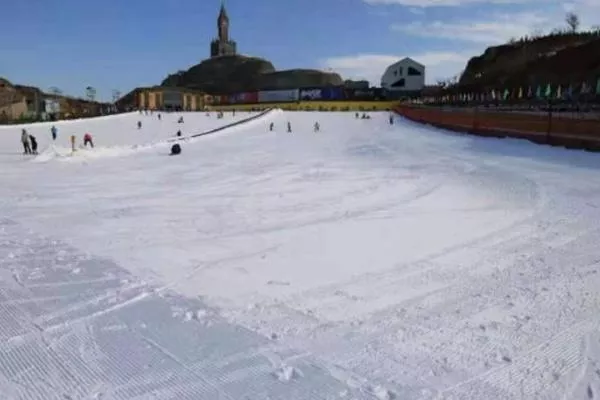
406 75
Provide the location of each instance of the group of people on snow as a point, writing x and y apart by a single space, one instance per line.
29 142
316 127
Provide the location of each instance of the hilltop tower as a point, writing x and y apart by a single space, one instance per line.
222 46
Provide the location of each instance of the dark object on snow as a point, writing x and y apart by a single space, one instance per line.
34 144
391 120
139 124
175 149
180 120
178 133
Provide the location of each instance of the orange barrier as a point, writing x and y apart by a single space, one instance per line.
546 128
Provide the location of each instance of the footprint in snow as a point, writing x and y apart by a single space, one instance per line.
278 283
286 373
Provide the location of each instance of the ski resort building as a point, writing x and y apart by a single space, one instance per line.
405 77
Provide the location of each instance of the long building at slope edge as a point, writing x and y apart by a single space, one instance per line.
164 98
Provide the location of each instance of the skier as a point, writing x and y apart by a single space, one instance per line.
139 124
356 115
54 132
317 127
87 139
391 119
289 127
271 126
73 143
25 141
178 133
34 144
159 117
180 120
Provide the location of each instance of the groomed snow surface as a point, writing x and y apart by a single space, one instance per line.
366 261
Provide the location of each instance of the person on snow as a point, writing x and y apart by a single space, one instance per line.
271 127
159 117
356 115
391 119
34 144
317 127
289 127
139 124
73 143
25 141
175 149
87 139
180 120
54 132
179 133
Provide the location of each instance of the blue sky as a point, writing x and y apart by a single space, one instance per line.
118 44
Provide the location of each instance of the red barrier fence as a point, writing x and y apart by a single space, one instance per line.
581 131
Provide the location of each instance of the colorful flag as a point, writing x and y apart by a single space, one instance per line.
538 92
548 91
559 92
506 94
529 92
520 95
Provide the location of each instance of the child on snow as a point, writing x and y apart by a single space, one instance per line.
34 144
54 132
87 139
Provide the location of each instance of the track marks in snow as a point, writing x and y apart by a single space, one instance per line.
109 336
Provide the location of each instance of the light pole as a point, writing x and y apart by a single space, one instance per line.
116 95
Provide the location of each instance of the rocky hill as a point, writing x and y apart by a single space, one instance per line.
560 58
237 73
225 74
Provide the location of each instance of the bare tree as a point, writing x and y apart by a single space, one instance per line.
572 20
90 93
116 95
55 91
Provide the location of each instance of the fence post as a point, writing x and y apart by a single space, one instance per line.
475 124
549 130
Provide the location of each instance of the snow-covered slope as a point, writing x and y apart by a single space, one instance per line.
114 132
365 261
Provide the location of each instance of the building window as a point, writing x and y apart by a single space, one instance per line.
399 84
414 72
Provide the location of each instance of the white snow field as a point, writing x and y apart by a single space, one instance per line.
366 261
